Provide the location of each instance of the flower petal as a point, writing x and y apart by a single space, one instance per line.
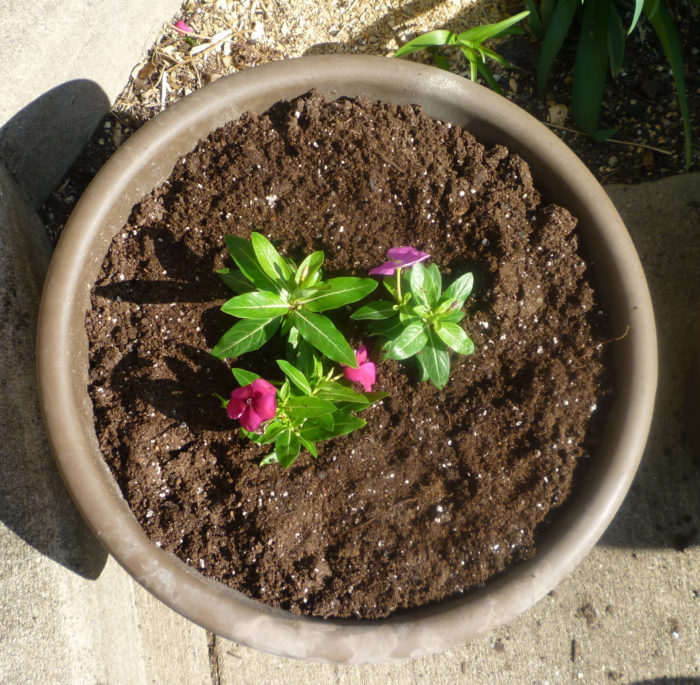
406 255
361 354
366 375
182 27
250 419
386 269
260 385
265 406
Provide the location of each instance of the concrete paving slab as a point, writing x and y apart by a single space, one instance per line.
69 614
63 64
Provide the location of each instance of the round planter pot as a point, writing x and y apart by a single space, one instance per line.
145 161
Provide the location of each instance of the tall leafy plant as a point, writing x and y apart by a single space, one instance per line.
601 45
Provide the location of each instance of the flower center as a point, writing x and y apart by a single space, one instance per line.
249 400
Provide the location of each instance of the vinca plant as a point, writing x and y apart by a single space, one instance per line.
318 401
276 295
421 321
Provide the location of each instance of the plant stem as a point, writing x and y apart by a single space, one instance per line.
398 284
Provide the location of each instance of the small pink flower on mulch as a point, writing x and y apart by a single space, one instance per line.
365 374
252 404
182 27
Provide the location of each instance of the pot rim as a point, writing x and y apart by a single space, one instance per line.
144 161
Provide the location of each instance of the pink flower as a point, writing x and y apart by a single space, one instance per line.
252 404
365 374
182 27
399 257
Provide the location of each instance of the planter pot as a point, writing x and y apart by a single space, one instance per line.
144 162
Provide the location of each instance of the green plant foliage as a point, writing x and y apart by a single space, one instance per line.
470 43
310 409
601 46
276 295
423 320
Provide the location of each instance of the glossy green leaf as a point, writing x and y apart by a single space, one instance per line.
235 280
345 423
488 76
260 304
245 336
272 431
591 65
320 332
295 376
436 360
638 7
332 391
271 261
389 328
556 31
426 40
478 34
309 268
426 284
454 336
460 289
375 311
308 405
409 342
244 377
440 60
455 316
338 292
309 446
242 252
269 459
287 448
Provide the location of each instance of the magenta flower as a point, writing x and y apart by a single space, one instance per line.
399 257
252 404
365 374
182 27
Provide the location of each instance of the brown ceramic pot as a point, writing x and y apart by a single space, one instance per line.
145 161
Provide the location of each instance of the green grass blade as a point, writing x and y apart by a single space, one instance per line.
556 31
488 76
663 25
478 34
546 11
616 42
536 25
591 65
427 40
638 6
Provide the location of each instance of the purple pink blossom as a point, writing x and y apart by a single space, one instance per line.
252 404
182 27
399 257
365 374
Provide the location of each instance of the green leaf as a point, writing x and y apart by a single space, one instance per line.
273 430
436 360
345 423
294 375
332 391
546 11
320 332
663 25
309 446
309 268
245 336
638 6
459 290
338 292
308 406
375 311
271 262
440 60
287 448
244 377
488 76
260 304
433 284
388 327
235 280
455 316
426 40
478 34
409 342
536 25
269 459
390 287
242 252
426 284
454 336
557 30
616 42
591 65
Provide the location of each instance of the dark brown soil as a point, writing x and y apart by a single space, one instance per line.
441 490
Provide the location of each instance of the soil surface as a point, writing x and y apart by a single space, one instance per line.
442 489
